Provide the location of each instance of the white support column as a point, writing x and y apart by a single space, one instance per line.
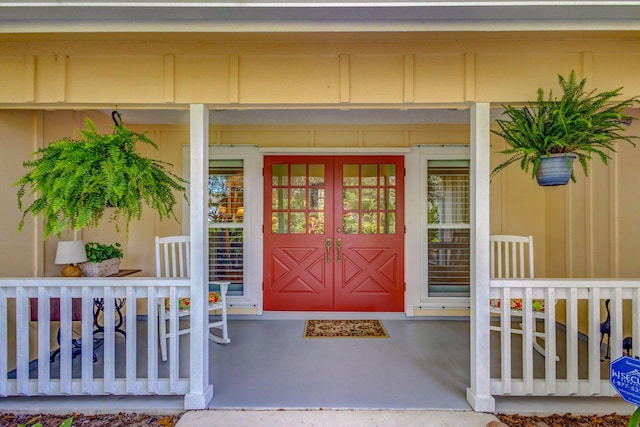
200 391
479 394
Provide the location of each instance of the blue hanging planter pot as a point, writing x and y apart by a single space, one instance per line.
555 169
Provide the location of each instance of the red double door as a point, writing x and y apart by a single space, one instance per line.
334 233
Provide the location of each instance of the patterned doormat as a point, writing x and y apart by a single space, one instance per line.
344 329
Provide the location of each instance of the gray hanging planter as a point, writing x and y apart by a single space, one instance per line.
555 169
582 123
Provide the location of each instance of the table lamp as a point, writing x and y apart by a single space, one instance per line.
71 252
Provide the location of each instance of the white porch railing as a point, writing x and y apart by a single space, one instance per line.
130 381
524 372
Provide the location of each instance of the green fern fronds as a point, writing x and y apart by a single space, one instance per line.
75 181
585 123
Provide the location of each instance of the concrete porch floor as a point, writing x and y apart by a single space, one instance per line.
423 365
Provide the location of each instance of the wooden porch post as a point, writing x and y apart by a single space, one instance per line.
200 391
479 394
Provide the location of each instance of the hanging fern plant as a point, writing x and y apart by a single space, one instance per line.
75 181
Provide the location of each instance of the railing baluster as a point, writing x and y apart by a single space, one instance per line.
4 358
131 350
616 324
87 340
594 305
174 339
109 342
152 340
505 338
44 338
22 341
65 340
527 341
572 340
550 350
635 321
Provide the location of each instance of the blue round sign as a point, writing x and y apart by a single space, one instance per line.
624 375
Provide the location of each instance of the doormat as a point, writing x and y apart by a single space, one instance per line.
344 329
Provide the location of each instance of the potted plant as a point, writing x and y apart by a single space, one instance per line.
76 181
579 124
103 260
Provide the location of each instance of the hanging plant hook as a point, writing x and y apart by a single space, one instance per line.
117 118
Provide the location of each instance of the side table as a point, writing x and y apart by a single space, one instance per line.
98 307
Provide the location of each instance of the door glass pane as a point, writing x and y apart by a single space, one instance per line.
316 174
316 199
350 175
279 198
350 223
369 175
279 175
298 223
298 198
391 198
279 223
316 223
350 198
387 175
387 223
369 223
369 198
298 174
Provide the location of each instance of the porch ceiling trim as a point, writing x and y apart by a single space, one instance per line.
326 16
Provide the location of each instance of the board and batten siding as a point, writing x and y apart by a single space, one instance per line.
306 71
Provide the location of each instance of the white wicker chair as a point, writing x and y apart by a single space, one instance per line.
172 260
511 257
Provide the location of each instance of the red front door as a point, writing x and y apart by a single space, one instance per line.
336 235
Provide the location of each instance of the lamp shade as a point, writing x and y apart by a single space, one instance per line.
70 252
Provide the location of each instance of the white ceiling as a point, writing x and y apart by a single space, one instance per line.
299 117
316 15
305 116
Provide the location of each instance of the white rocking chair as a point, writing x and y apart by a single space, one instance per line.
172 260
511 257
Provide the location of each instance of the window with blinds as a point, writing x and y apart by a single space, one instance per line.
226 223
448 228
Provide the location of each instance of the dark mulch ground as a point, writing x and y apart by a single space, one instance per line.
611 420
98 420
140 420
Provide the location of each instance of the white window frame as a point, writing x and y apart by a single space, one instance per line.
252 221
416 238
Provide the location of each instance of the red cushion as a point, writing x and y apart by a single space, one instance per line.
516 304
185 303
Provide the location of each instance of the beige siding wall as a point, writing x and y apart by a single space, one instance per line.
586 229
21 256
394 69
